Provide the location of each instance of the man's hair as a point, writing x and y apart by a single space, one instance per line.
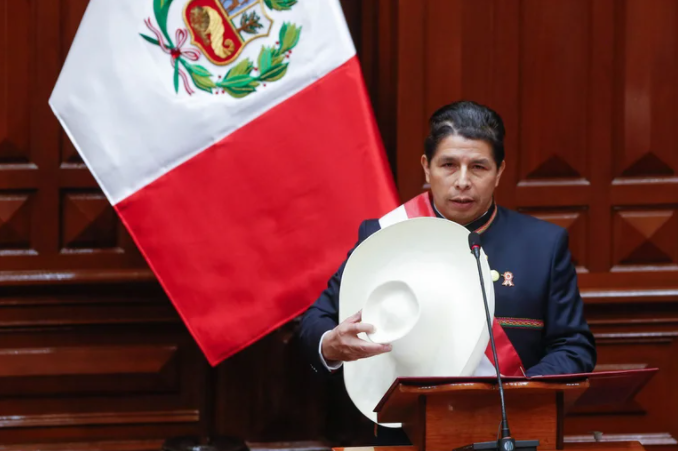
469 120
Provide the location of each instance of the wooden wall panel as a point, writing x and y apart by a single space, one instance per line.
555 68
645 237
52 214
646 93
15 72
82 362
93 355
554 83
587 92
634 334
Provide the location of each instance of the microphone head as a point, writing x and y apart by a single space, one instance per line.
473 240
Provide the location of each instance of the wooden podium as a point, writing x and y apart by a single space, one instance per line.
448 416
441 414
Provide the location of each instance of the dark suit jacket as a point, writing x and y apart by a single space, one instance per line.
545 291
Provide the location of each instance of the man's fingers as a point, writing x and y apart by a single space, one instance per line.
348 346
355 318
364 352
353 348
356 328
371 349
366 348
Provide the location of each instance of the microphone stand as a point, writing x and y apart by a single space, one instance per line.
505 442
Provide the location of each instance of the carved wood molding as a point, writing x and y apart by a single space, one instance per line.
99 418
660 438
592 296
76 277
128 445
635 337
129 317
633 321
100 306
620 366
85 360
155 445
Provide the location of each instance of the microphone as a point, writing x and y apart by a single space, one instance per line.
474 244
506 442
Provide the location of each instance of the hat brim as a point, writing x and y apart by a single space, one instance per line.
430 258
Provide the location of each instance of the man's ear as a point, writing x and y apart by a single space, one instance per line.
500 171
427 168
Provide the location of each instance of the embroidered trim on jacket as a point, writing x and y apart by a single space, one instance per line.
522 323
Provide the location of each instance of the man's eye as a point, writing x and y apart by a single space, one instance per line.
478 166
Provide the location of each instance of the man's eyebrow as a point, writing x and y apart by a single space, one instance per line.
481 161
448 158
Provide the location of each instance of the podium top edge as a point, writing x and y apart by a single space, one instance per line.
551 378
627 381
509 385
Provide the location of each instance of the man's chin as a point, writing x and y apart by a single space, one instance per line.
458 217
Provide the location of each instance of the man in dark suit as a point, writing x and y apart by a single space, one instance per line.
537 300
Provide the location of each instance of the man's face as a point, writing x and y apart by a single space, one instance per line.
463 176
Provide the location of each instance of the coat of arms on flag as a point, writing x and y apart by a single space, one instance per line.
220 30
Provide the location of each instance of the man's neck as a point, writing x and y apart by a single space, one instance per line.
474 225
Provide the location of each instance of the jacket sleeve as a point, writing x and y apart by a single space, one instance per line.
569 344
323 315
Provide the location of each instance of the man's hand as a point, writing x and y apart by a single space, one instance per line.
343 345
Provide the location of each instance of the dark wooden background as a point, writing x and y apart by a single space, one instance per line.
92 353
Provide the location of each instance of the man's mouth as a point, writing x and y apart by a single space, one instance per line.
462 202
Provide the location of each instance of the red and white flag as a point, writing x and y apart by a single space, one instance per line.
236 141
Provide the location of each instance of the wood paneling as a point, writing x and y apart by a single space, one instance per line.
587 91
93 355
645 238
554 82
52 214
91 349
84 360
71 359
646 92
629 335
113 445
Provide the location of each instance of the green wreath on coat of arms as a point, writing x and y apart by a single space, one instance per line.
220 29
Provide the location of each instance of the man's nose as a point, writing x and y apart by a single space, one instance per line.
463 182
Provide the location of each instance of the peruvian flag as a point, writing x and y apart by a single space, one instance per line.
236 141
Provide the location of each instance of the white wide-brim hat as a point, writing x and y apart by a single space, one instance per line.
417 282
